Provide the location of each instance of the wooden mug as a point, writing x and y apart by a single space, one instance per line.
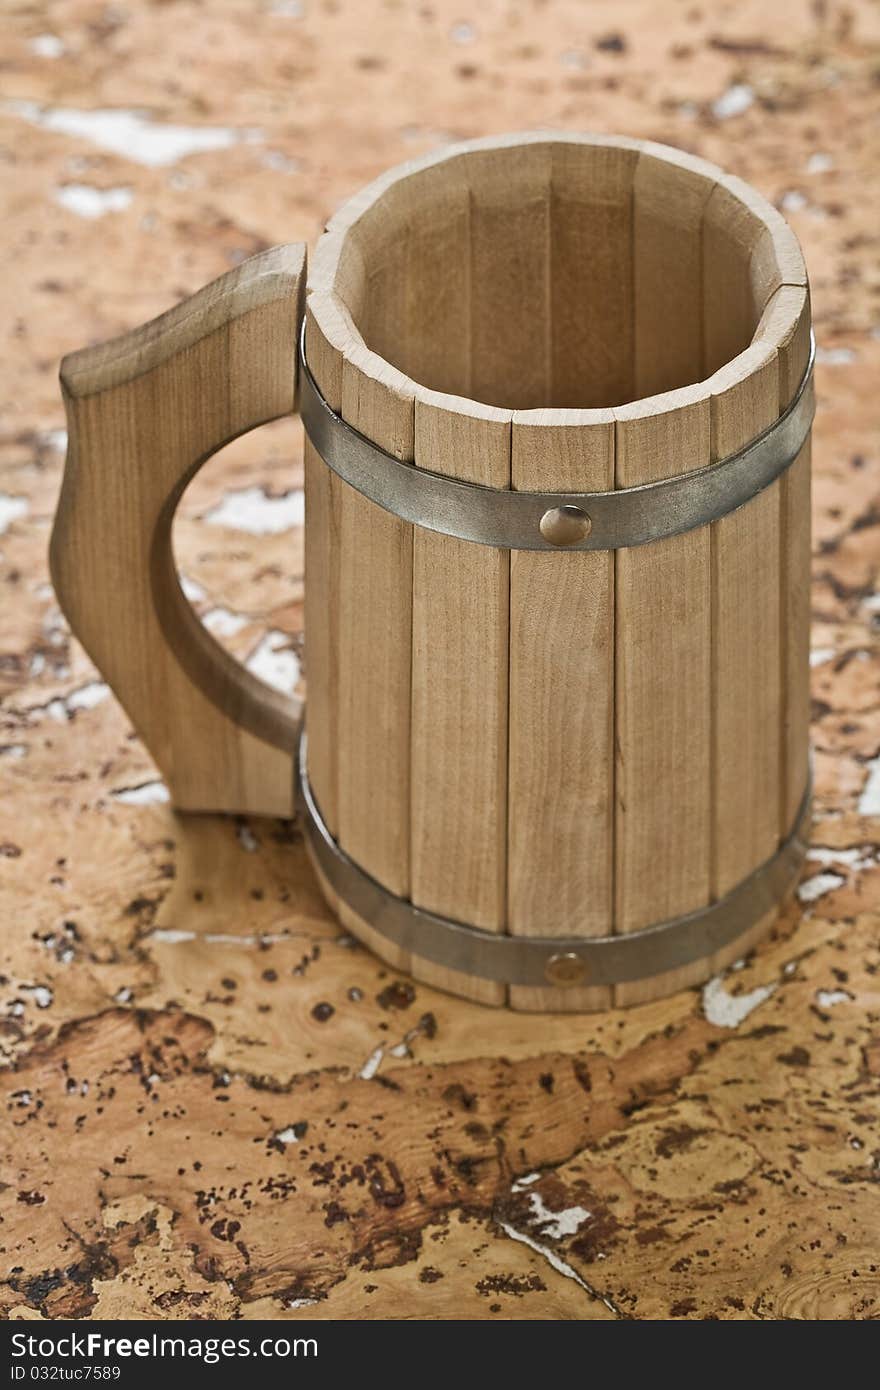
557 392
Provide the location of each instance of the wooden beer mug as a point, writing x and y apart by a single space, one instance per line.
557 392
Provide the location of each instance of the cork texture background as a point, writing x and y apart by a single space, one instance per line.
213 1104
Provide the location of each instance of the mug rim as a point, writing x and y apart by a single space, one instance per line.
776 326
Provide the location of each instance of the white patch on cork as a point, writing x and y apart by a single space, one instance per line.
132 134
87 696
92 203
817 886
372 1064
56 440
247 839
173 936
861 857
191 589
730 1010
556 1224
42 995
275 662
287 1136
146 794
794 201
60 709
835 357
253 510
737 99
11 509
223 622
561 1266
525 1181
46 46
827 998
869 801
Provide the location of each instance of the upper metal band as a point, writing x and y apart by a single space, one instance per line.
531 960
512 520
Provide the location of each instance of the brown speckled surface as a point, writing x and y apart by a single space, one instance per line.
212 1104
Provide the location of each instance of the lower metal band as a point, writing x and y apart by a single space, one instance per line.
550 520
559 961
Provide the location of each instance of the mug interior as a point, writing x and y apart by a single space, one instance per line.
554 274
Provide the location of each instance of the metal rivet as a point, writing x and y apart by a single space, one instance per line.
565 525
565 969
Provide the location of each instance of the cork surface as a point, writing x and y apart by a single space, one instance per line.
213 1103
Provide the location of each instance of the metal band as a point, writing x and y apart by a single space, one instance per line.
526 960
543 520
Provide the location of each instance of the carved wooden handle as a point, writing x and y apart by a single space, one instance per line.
144 412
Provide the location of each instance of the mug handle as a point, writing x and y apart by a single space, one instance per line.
144 412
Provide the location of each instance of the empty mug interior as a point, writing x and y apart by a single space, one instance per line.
560 272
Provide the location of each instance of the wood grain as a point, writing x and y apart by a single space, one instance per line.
326 334
582 271
460 689
510 318
360 273
730 233
786 324
375 637
662 701
751 262
142 418
438 280
591 304
560 794
768 711
670 193
663 600
746 634
360 700
748 253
